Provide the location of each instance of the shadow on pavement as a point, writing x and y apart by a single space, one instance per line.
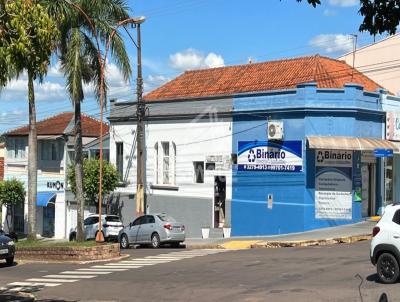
4 265
373 278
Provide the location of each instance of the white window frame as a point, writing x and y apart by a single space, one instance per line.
16 148
164 163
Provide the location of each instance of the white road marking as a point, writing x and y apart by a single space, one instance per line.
108 268
33 284
90 272
51 280
70 276
117 266
103 269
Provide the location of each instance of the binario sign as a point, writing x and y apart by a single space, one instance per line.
336 158
268 156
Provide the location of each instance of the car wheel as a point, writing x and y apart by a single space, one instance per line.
155 241
10 261
387 268
124 243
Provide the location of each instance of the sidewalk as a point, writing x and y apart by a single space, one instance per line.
332 235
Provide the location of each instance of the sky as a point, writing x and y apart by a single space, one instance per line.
181 35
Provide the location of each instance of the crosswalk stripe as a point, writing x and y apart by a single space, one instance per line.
146 262
87 273
103 269
34 284
70 276
129 263
117 266
51 280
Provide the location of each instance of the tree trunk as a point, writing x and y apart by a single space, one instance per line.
80 232
32 161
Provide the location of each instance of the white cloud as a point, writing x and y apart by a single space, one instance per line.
332 43
55 71
344 3
329 12
54 89
194 59
154 81
12 117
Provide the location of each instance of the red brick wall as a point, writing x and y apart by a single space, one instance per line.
1 168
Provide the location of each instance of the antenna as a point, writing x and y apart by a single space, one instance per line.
354 53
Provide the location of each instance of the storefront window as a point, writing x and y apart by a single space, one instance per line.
389 180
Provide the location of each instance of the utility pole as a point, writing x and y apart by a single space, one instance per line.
140 130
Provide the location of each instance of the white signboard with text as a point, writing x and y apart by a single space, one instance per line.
393 126
333 184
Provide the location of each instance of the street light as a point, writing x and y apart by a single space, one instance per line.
102 62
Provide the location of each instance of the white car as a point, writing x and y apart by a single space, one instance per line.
385 245
111 225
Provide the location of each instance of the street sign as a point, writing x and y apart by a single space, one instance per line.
383 152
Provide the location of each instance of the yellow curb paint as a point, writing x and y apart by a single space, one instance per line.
239 244
375 218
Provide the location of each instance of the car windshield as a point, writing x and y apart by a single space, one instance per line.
113 219
166 218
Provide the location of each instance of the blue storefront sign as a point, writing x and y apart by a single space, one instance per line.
383 152
284 156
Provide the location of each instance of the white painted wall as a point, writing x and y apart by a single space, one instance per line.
194 141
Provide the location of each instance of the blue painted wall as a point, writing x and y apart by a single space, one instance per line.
305 111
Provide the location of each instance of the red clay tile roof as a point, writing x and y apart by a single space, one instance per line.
272 75
58 125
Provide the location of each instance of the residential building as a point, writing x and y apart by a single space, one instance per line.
55 201
268 148
379 61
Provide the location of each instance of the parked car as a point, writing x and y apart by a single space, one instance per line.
111 225
385 245
154 229
7 249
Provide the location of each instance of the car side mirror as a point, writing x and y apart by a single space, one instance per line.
130 224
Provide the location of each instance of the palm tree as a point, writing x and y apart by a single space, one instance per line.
78 54
27 38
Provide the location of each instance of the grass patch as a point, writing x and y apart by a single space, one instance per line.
48 243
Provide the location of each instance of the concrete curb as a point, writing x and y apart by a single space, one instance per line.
25 261
204 246
312 242
243 244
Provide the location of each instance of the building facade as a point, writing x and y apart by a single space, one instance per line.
56 206
268 148
379 61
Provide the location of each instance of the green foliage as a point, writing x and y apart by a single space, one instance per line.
91 176
11 192
28 37
380 16
78 48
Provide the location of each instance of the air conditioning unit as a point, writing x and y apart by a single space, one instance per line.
275 130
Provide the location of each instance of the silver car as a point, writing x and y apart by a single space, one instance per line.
154 229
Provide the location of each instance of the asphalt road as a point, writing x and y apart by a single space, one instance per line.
290 274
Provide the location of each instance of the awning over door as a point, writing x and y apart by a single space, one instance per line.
349 143
43 198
